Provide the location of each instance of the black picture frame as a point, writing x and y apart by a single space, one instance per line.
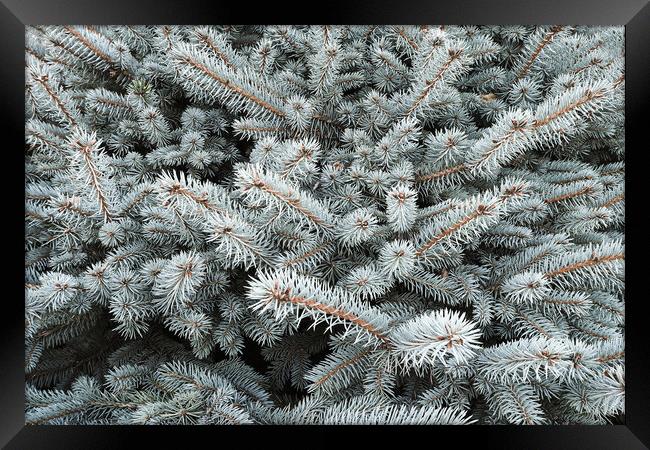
633 14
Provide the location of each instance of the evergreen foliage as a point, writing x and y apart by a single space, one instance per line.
324 225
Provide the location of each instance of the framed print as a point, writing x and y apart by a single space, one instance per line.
395 219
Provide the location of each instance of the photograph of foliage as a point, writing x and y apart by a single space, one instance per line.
324 225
